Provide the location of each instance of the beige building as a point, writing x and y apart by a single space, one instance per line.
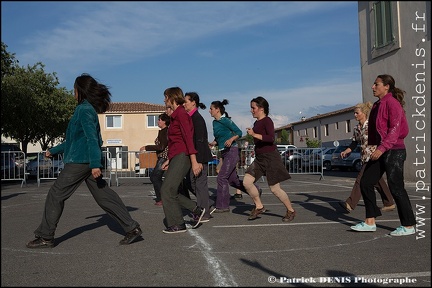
127 126
327 128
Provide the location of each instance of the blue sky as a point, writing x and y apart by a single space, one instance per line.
303 57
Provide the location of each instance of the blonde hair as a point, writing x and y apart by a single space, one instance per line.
364 107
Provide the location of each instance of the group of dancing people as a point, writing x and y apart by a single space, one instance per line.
183 152
188 151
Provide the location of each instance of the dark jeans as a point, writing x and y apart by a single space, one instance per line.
156 178
66 184
392 163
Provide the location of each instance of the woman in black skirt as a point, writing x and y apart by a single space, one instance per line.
267 161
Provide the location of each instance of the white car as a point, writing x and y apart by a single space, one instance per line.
281 148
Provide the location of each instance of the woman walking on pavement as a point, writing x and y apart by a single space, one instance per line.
161 149
267 161
226 133
198 183
387 129
181 159
360 137
83 160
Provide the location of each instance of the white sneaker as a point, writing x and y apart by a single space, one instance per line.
403 231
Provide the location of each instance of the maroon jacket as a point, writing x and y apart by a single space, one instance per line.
180 134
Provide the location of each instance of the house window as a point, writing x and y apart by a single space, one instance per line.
384 27
152 121
314 132
326 130
113 121
337 125
348 126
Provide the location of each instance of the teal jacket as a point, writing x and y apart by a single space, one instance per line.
83 140
223 129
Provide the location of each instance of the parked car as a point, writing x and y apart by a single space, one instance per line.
46 166
314 160
281 147
11 161
292 160
352 161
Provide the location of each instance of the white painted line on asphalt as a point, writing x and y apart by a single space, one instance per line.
304 223
221 274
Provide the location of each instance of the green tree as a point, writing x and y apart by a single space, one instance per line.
284 137
8 61
33 108
313 143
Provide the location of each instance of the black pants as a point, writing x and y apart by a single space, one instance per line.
156 177
392 163
66 184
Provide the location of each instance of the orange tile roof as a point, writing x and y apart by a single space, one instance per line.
134 107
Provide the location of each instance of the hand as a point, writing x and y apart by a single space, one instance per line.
165 165
376 154
197 168
345 153
228 142
48 153
96 172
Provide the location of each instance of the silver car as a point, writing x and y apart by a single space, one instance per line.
352 161
38 164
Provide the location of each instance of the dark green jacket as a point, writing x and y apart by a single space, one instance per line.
83 140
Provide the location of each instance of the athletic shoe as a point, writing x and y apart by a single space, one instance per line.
363 227
39 242
131 236
175 229
403 231
197 215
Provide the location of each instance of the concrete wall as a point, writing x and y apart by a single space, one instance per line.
409 63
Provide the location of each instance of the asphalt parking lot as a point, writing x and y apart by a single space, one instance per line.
316 249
